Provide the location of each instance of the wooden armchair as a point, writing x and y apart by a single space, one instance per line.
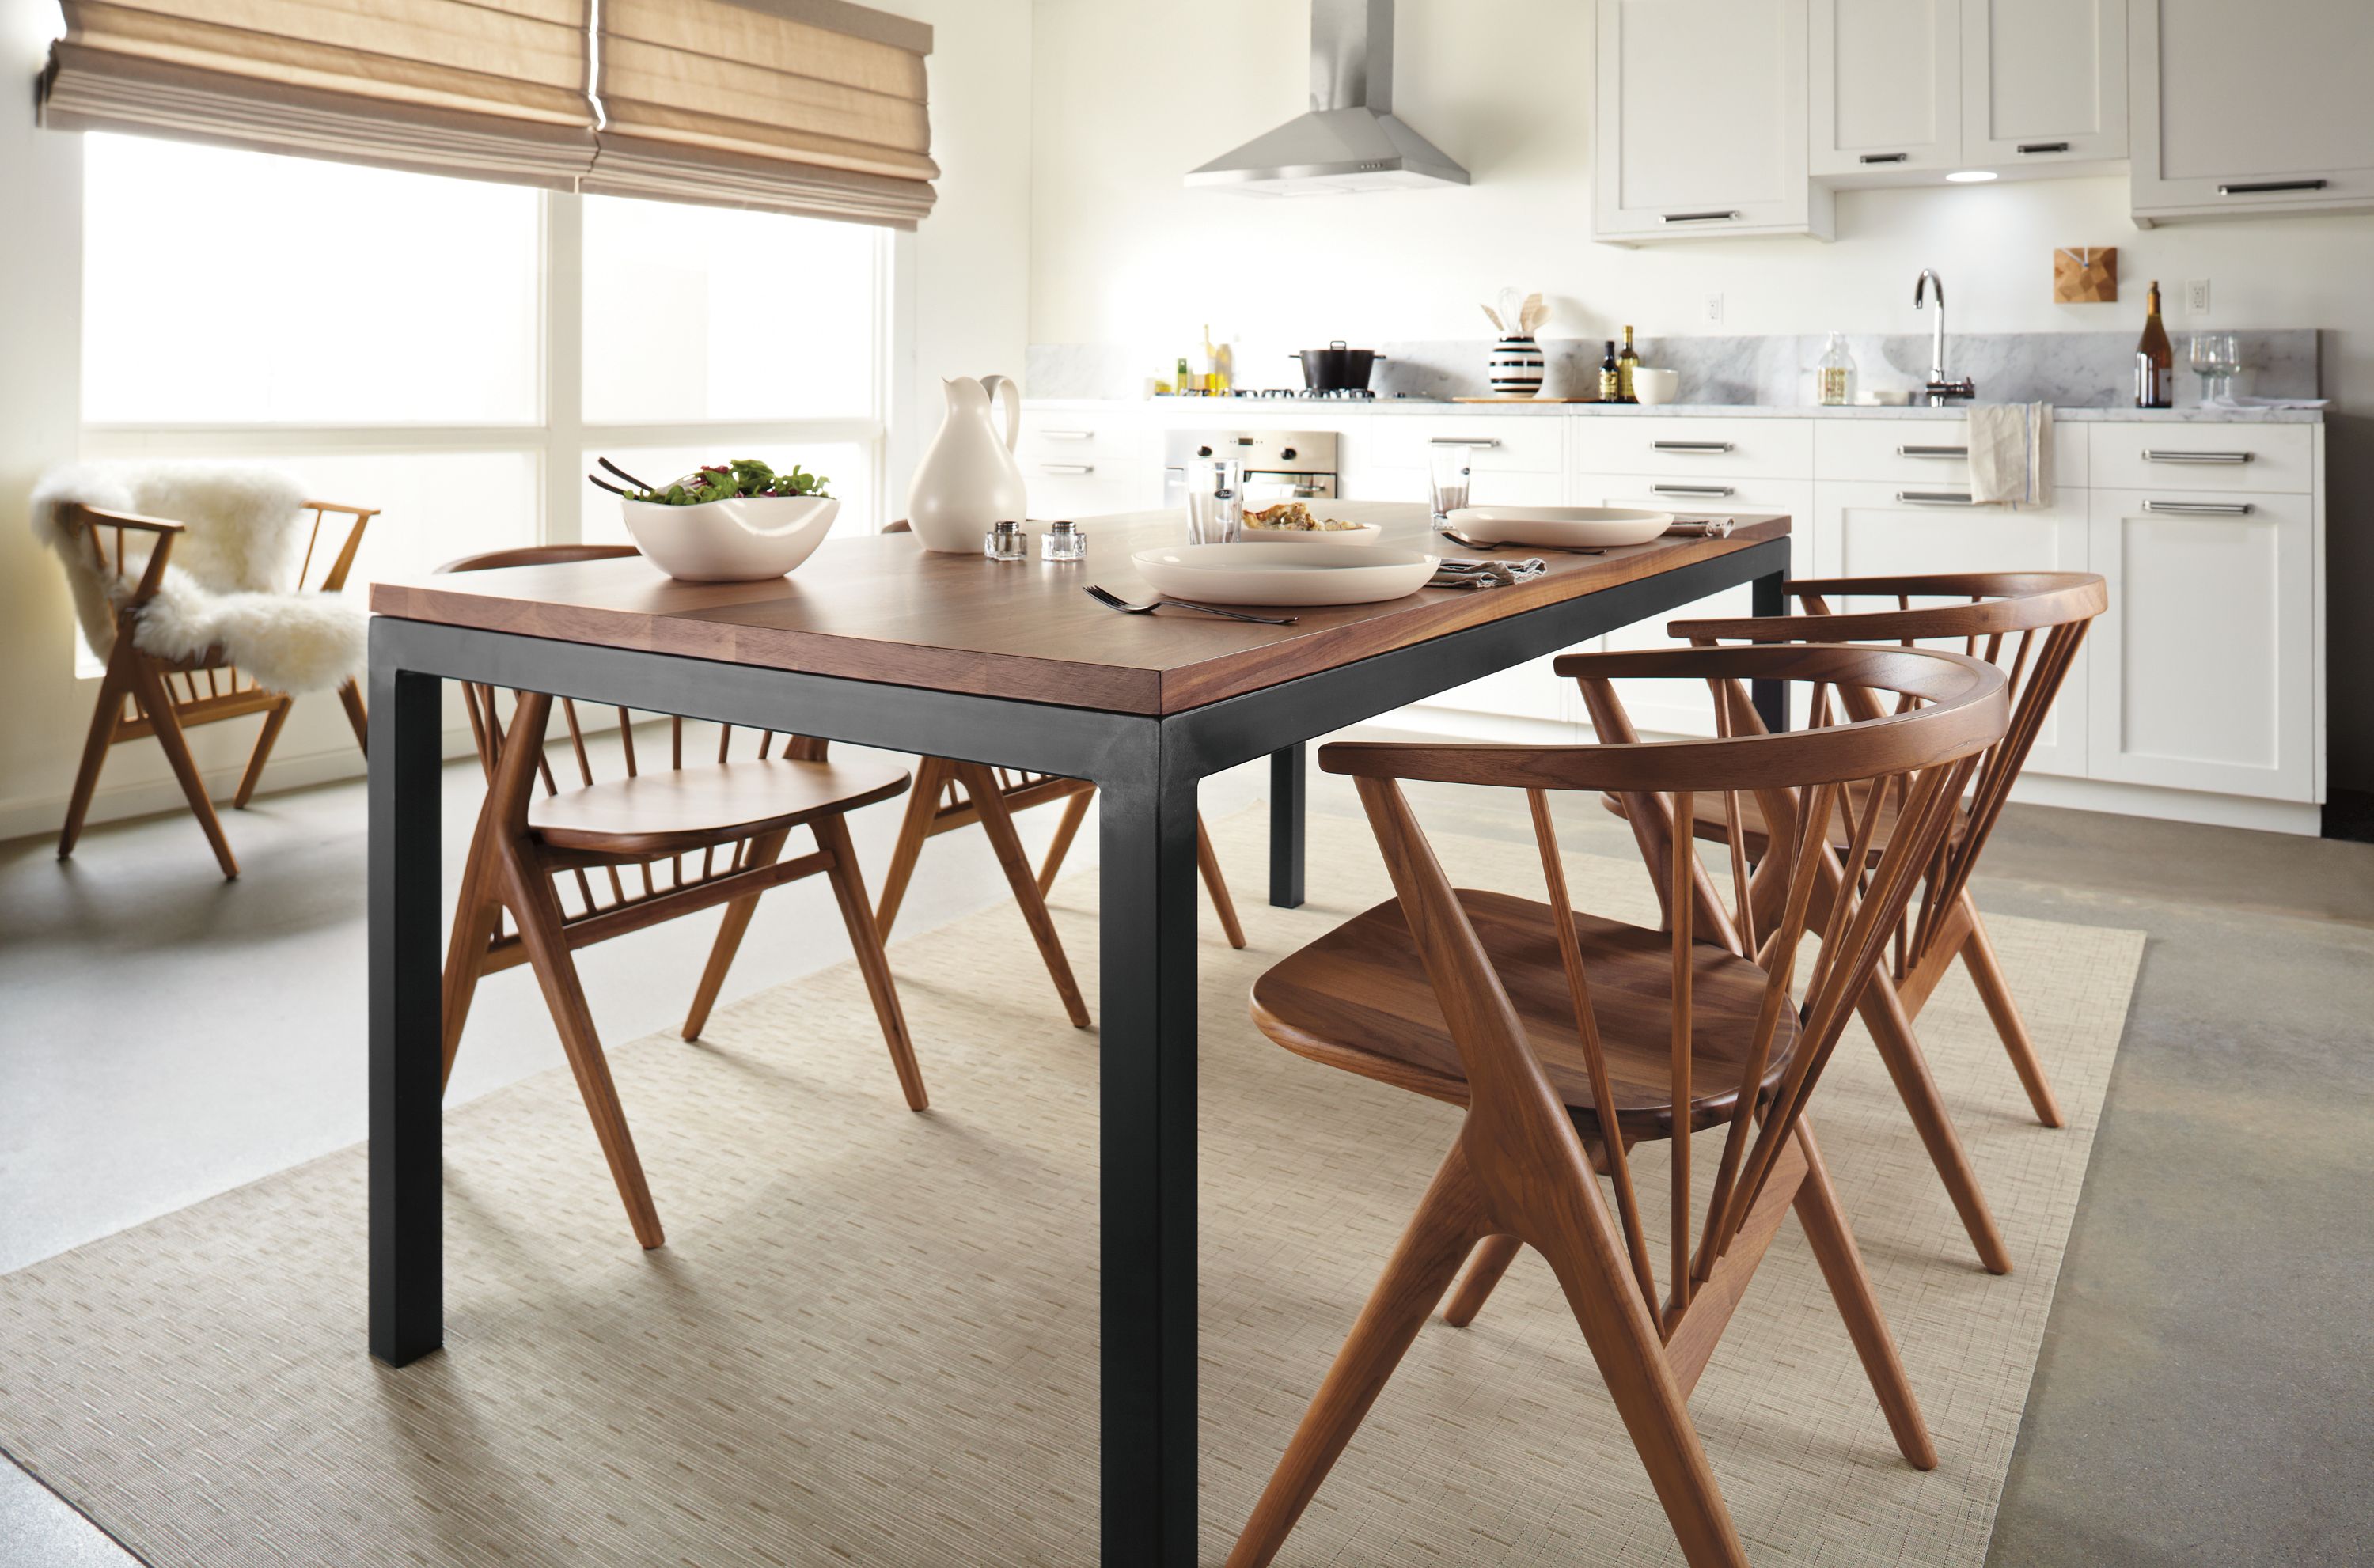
144 693
1568 1039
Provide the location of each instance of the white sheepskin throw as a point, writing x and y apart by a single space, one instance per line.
232 574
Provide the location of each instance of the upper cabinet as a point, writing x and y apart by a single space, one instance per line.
2260 108
1701 120
1886 88
2044 82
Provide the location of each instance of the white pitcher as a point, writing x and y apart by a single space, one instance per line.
968 480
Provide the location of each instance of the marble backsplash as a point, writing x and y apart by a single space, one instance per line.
2074 369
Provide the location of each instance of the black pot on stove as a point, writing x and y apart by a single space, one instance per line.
1336 368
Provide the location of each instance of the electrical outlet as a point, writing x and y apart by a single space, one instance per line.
2196 296
1714 306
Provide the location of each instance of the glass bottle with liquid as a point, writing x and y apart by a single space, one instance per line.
2154 361
1611 377
1625 362
1834 374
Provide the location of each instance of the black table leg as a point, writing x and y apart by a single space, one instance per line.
1147 1097
1289 778
1770 597
407 1264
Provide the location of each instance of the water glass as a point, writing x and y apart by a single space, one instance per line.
1215 501
1448 475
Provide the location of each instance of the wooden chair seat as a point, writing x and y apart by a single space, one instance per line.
670 809
1359 998
1711 819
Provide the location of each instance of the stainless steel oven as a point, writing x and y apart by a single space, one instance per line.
1280 465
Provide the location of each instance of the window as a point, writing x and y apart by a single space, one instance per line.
394 339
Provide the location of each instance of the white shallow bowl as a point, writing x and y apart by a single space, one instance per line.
1366 533
1655 387
744 539
1589 527
1285 574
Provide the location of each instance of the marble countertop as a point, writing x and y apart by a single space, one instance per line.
1221 408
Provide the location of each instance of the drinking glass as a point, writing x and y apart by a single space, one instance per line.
1448 474
2215 359
1215 501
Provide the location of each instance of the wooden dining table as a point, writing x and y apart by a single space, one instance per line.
876 642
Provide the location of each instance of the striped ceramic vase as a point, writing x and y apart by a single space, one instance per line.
1516 367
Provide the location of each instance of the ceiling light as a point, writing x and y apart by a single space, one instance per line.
1971 176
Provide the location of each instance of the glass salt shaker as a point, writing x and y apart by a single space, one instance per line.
1062 542
1006 542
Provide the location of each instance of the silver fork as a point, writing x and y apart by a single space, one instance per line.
1115 602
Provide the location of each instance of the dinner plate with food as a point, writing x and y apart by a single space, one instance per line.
1293 523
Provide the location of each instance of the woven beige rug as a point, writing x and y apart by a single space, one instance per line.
872 1338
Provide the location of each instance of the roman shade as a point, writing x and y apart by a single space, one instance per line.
483 88
813 107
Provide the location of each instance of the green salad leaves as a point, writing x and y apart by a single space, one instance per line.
742 476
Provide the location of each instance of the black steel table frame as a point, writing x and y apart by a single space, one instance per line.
1146 769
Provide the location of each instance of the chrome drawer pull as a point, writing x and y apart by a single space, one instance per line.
1698 218
1691 489
1884 156
1691 446
2201 508
1936 497
1067 468
1465 441
2263 187
1067 435
2151 456
1933 451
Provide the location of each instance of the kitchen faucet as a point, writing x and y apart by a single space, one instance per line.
1940 389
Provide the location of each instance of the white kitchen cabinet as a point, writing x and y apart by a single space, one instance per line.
2204 668
2252 109
1885 92
1701 122
1866 529
2044 82
1087 463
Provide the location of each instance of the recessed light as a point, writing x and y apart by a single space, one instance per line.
1971 176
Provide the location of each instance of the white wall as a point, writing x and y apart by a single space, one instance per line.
962 310
1130 94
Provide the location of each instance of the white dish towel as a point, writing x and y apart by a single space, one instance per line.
2011 454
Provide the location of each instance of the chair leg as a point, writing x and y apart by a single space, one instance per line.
273 717
922 805
849 886
1986 973
764 850
537 909
103 720
997 821
1447 1223
1208 862
1900 1053
477 917
157 704
1076 811
1834 1248
1493 1256
350 696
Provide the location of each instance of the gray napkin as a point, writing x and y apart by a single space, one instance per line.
1487 574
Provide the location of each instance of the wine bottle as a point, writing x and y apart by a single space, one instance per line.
1611 379
2155 361
1625 362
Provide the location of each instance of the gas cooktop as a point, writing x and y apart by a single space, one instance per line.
1288 394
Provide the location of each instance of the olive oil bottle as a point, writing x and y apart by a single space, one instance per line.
1625 362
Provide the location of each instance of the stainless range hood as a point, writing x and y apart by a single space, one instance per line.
1351 141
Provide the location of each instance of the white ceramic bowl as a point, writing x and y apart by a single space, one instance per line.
1598 528
743 539
1655 387
1284 574
1367 533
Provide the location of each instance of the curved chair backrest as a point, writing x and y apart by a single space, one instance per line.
1949 710
2048 612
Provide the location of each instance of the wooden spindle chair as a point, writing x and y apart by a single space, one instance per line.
1569 1039
145 695
554 867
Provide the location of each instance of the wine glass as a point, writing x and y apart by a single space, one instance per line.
2214 359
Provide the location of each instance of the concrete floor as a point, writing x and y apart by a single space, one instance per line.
2204 1390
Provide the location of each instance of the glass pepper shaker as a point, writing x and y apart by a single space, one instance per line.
1062 542
1006 542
